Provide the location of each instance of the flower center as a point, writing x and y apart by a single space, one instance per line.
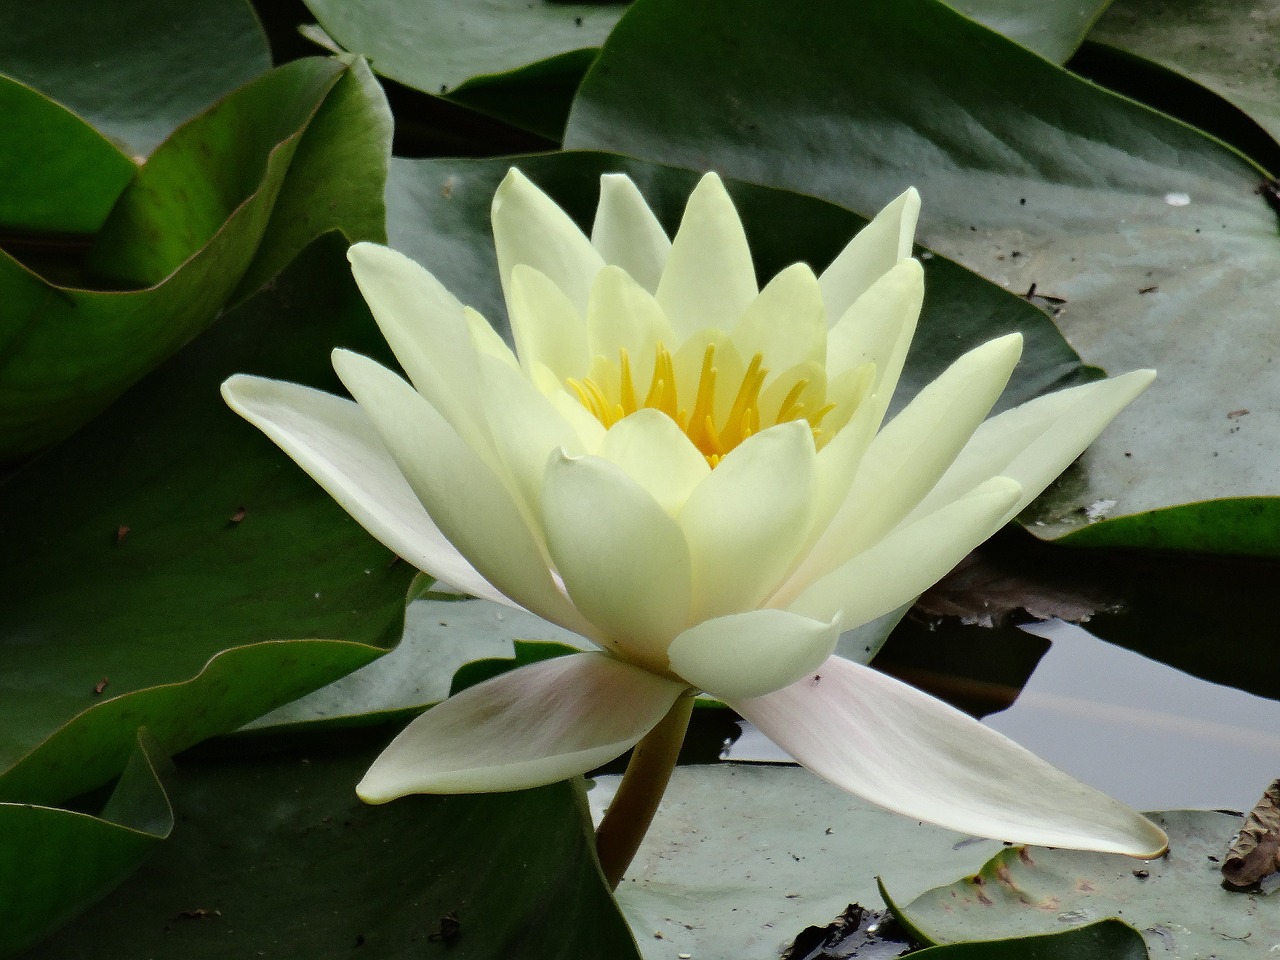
715 429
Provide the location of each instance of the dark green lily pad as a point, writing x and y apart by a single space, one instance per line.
61 176
134 69
55 862
274 853
187 230
1109 939
169 566
1177 901
1228 46
1052 28
1151 234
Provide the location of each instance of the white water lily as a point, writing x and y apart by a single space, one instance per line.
692 473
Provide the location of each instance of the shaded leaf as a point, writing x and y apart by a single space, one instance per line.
135 69
55 862
1052 28
274 853
1030 175
199 622
191 225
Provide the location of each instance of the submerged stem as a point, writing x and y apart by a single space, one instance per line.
628 817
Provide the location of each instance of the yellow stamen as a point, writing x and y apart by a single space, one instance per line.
715 439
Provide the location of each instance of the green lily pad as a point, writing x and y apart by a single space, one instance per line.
55 862
1109 939
60 175
1143 226
135 69
168 566
741 858
274 853
1053 29
1177 901
1228 46
188 229
438 213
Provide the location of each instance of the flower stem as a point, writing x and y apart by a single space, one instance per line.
628 817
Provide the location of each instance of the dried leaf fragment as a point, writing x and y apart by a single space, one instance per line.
1255 854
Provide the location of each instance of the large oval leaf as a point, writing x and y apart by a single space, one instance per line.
1153 233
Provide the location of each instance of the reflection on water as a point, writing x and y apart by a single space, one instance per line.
1149 735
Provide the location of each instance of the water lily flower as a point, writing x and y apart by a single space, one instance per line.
693 474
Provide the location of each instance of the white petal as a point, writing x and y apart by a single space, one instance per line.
895 746
427 330
709 279
1035 442
469 503
907 457
526 428
878 328
752 653
333 440
622 315
486 339
785 324
747 520
535 725
907 562
877 247
627 233
654 452
529 227
623 559
546 326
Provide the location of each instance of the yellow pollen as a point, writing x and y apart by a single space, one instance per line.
714 436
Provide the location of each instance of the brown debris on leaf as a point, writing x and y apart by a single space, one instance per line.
986 594
1255 854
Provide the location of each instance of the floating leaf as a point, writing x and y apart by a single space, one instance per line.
1144 226
1177 901
55 862
169 566
274 853
1052 28
134 69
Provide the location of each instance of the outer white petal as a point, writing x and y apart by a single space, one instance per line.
627 233
709 279
486 339
547 328
468 502
907 457
654 452
908 561
623 559
877 247
746 522
535 725
752 653
1035 442
895 746
786 323
878 328
529 227
427 330
333 441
